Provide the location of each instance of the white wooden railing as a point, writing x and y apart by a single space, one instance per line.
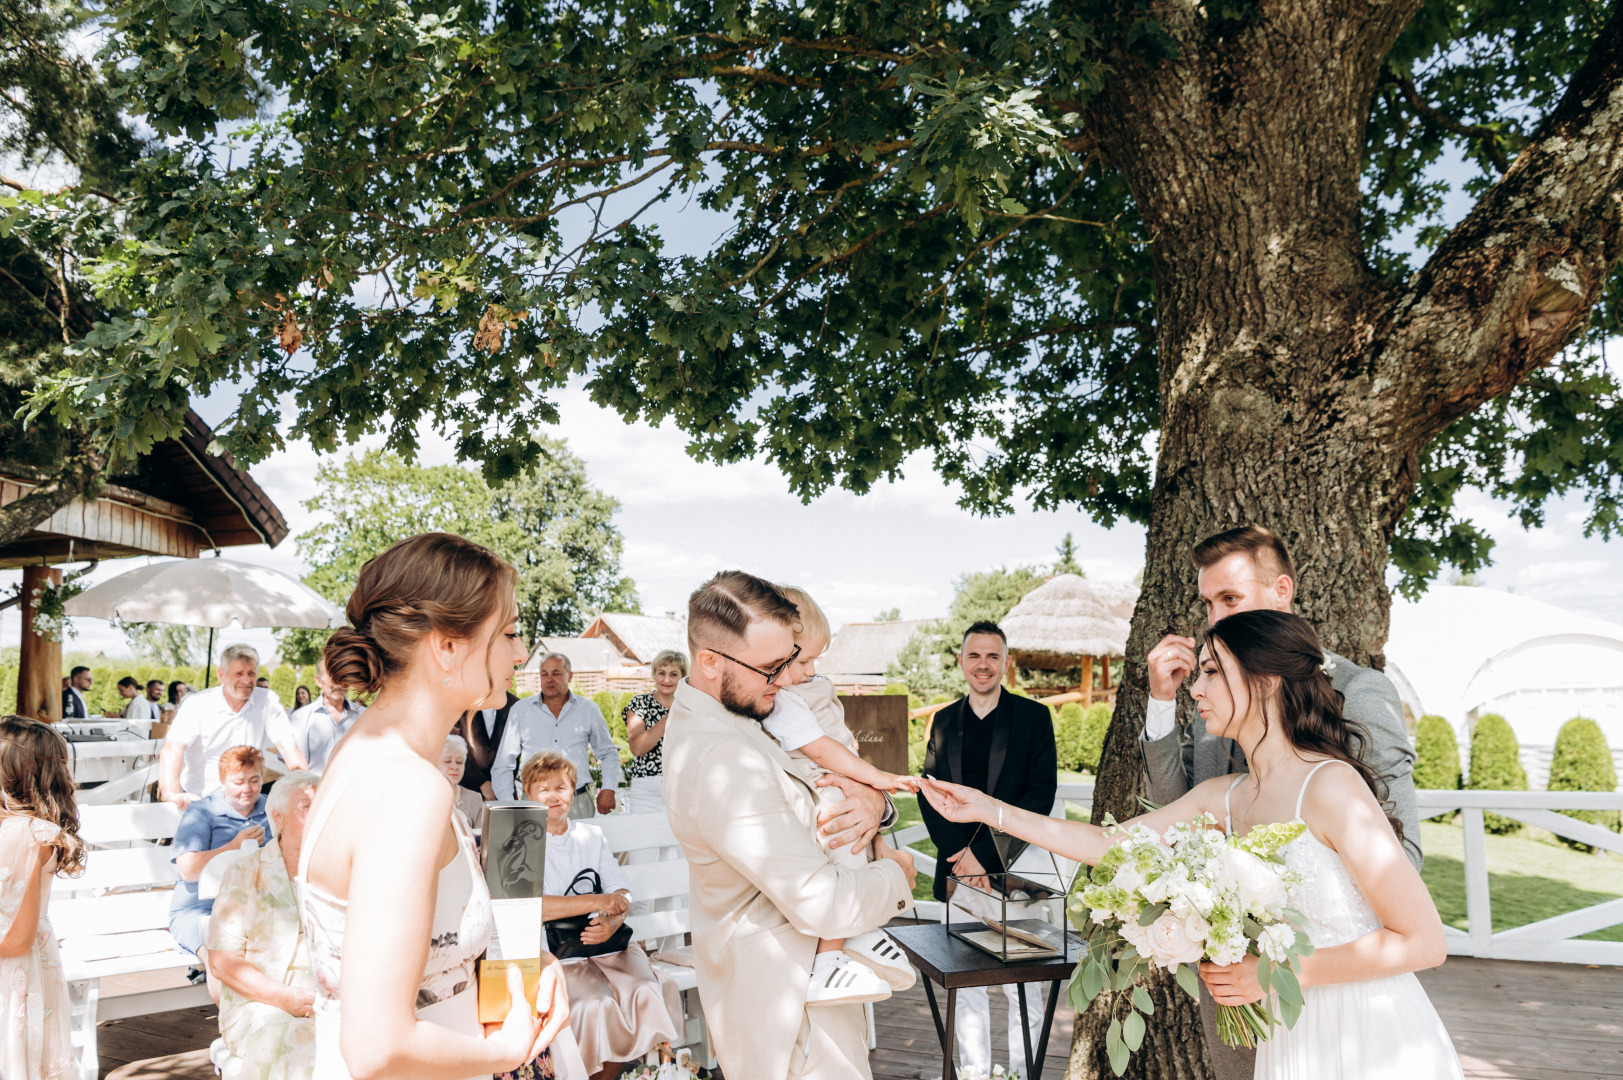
1548 940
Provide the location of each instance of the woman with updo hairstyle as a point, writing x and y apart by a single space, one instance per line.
390 890
1263 683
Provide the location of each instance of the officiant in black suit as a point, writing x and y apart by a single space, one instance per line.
1002 744
482 731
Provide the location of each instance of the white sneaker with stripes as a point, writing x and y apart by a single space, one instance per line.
837 980
876 950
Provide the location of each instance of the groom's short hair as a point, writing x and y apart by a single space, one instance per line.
720 611
1263 545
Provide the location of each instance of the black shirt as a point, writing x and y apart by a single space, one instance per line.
977 747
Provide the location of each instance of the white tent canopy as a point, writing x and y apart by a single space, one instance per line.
1462 652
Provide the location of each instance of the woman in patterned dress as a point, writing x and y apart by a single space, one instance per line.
645 731
39 838
257 949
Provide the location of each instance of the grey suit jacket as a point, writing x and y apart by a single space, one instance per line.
1189 756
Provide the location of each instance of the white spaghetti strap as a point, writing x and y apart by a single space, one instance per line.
1228 818
1303 793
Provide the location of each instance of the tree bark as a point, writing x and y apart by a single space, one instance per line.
1298 390
80 475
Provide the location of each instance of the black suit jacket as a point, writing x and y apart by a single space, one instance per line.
1022 771
73 706
482 747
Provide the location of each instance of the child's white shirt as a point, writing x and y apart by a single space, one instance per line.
792 721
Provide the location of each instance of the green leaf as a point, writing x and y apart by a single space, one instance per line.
1189 981
1116 1048
1142 1001
1289 1011
1093 979
1263 966
1151 913
1132 1031
1015 206
1286 985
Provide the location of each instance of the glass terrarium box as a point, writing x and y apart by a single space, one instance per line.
1003 916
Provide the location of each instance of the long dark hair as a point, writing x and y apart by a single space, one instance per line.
1280 645
36 780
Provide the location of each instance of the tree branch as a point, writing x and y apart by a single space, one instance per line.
1514 282
79 474
1488 136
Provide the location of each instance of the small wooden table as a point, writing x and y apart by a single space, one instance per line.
946 960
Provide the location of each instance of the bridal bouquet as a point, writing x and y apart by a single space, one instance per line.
1177 900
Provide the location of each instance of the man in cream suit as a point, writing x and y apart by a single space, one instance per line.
762 887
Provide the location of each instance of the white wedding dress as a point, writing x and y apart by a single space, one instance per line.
1383 1029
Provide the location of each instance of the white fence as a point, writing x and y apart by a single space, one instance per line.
1550 940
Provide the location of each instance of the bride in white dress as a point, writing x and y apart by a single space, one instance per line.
1371 920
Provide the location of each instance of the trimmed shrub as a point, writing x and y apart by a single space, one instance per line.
1068 737
283 681
1583 762
1095 722
1496 766
1437 758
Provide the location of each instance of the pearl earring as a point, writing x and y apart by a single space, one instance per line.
446 681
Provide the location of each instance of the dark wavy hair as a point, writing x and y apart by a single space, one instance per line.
1277 644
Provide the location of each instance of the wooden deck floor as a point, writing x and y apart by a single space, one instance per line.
1510 1021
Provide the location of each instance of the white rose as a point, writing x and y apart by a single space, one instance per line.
1196 927
1276 940
1262 891
1156 891
1170 945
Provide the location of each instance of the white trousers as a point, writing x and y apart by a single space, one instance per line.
973 1021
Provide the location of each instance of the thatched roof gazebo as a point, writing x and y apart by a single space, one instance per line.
1068 621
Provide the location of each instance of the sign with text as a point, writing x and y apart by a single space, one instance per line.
879 722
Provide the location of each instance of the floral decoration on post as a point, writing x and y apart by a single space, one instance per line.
50 618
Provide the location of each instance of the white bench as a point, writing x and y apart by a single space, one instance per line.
654 881
114 920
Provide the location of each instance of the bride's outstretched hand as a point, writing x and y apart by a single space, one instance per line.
954 801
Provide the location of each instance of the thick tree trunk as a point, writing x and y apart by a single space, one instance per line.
1297 391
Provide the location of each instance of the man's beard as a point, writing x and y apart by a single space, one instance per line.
735 702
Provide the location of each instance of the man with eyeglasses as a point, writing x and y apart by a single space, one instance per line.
762 889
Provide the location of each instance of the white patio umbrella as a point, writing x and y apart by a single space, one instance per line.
207 592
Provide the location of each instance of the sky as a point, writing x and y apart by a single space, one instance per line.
899 546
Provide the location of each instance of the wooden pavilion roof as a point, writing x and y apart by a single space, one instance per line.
180 500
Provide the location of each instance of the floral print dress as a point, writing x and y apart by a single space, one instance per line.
33 991
256 915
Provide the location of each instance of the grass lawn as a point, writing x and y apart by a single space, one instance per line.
1530 877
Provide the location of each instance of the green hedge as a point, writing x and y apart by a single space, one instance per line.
1496 766
1583 762
1095 722
1068 737
1437 758
103 696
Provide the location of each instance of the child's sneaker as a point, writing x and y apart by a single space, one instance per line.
877 951
836 980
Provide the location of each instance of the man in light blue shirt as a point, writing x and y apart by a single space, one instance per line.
319 725
556 719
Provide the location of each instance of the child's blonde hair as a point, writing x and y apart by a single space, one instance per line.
544 764
810 624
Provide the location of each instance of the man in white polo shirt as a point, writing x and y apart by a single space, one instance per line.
210 722
319 725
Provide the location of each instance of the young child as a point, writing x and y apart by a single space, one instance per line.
39 838
810 721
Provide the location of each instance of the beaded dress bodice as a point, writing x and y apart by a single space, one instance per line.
1327 896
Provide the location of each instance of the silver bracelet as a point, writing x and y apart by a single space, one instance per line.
1000 817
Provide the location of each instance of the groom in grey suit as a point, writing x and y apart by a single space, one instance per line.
1245 569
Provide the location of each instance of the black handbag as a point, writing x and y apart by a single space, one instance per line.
564 934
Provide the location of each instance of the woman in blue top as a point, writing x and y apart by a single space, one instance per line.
214 826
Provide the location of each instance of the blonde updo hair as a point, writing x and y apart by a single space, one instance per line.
430 582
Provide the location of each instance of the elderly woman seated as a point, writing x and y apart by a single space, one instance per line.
453 763
256 948
209 828
619 1009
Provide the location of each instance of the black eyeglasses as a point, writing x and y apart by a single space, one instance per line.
769 676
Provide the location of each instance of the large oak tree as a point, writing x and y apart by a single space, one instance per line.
1176 262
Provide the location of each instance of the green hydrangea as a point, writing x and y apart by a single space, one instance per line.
1264 841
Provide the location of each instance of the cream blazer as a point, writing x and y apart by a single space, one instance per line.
762 891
